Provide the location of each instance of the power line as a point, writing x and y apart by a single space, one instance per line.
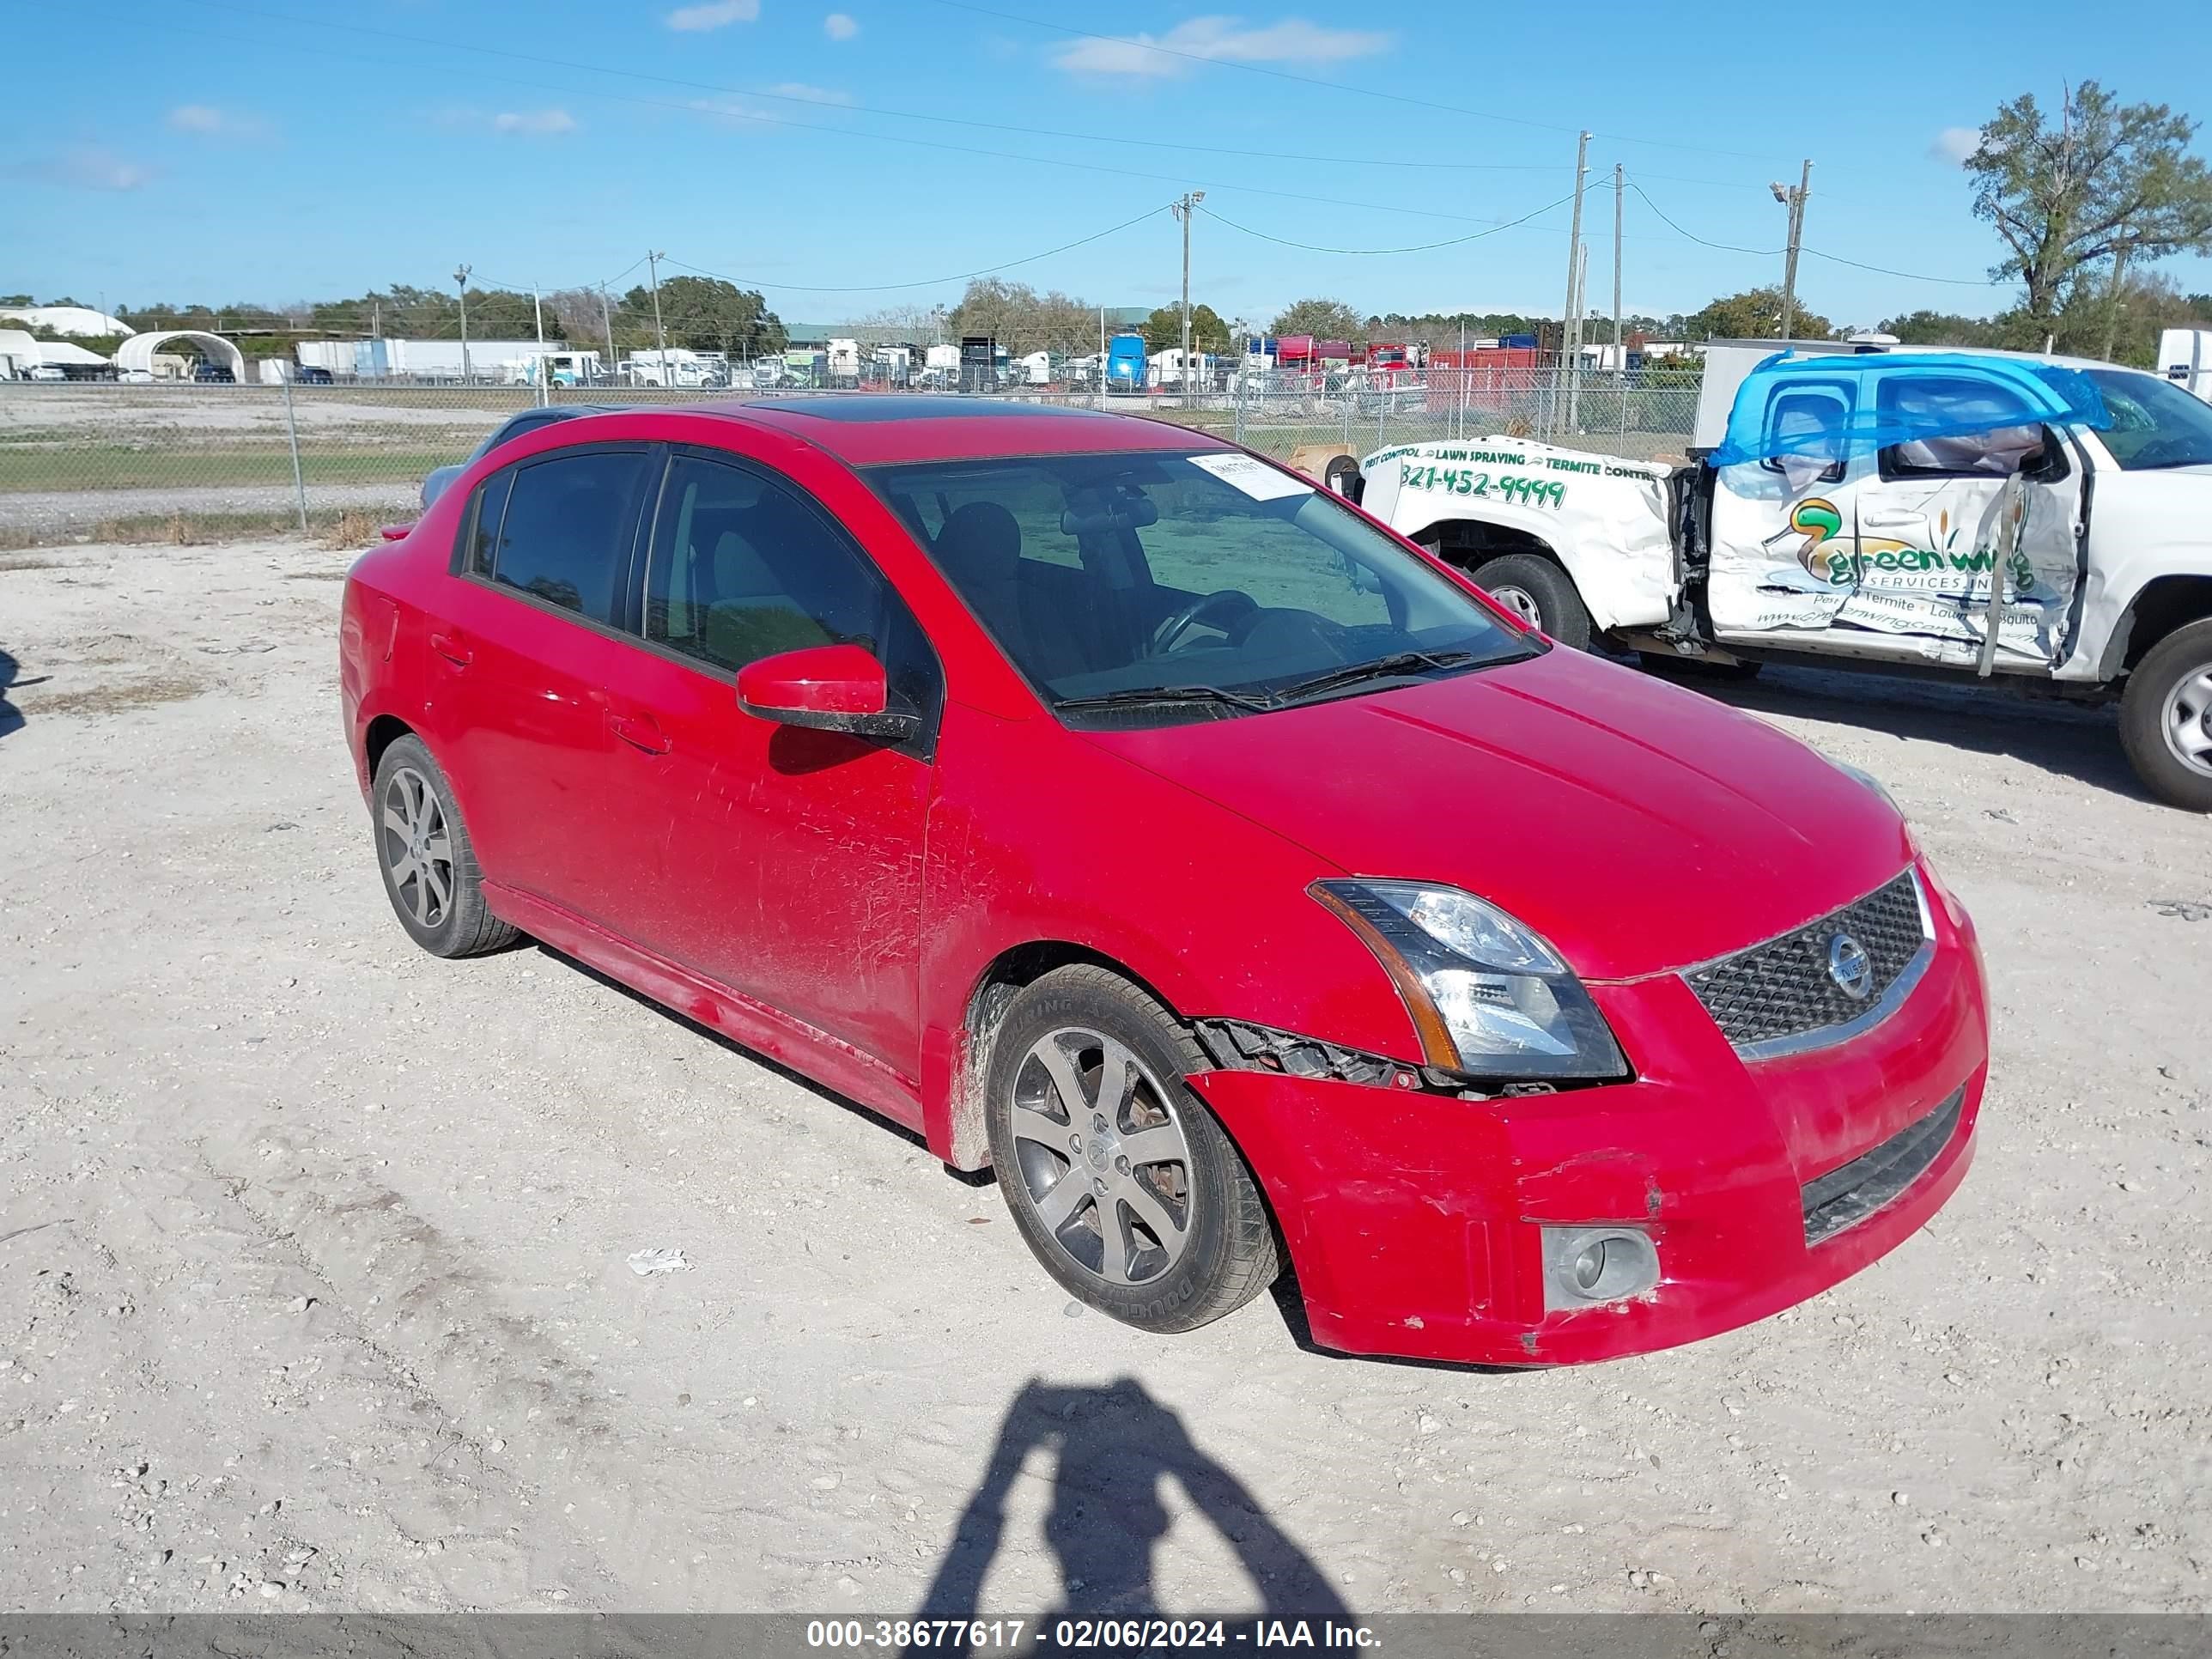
1421 247
1834 258
1333 85
932 282
1725 248
1909 276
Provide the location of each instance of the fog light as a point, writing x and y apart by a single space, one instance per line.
1583 1266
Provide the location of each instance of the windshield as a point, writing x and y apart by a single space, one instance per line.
2154 423
1166 588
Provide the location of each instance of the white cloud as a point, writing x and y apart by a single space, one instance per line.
714 15
535 123
839 26
1954 144
82 167
1218 39
811 94
206 121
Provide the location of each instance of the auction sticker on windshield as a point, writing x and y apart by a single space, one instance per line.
1257 479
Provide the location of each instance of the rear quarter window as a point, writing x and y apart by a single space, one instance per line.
566 536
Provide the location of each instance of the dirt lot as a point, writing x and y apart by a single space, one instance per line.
313 1293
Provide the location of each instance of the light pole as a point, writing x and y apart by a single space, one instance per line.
660 339
461 282
1794 199
1183 210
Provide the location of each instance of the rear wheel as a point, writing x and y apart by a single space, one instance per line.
1120 1181
2165 717
428 861
1539 593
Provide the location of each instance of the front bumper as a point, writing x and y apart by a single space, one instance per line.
1413 1220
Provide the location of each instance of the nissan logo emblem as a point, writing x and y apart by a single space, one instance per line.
1851 967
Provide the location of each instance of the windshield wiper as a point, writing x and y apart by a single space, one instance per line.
1132 696
1382 668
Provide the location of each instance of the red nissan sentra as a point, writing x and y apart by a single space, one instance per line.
1119 811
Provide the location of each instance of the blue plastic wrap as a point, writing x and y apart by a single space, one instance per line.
1921 399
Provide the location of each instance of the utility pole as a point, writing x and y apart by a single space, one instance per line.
2112 302
544 378
607 322
1582 304
461 281
660 339
1571 330
1182 211
1619 363
1795 201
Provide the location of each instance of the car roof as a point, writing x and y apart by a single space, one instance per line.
875 429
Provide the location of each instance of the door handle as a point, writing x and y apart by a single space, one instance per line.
452 649
639 731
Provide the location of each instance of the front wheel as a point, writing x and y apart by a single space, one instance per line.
2165 717
1120 1181
1540 593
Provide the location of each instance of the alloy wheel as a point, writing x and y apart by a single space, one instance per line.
2187 721
418 848
1102 1156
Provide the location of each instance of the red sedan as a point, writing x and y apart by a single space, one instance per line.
1122 813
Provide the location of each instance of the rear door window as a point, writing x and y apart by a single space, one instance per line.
566 536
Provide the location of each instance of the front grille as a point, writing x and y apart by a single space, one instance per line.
1780 995
1848 1194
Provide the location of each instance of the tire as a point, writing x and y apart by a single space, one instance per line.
411 793
2165 717
1540 593
1342 476
1697 668
1188 1227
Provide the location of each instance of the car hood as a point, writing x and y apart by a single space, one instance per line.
1638 826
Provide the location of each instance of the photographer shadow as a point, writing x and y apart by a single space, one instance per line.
1113 1446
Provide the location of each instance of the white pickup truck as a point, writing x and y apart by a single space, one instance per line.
1879 559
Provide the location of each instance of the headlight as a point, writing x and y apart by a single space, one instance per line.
1488 996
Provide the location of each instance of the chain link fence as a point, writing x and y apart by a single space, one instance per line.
109 461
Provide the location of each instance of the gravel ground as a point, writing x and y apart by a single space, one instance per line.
314 1289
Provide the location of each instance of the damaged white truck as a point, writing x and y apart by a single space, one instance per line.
1848 508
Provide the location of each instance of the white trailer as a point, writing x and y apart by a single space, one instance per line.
2185 357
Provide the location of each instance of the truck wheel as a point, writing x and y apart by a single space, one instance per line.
1540 593
2165 717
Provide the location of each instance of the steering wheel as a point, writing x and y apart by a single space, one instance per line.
1173 628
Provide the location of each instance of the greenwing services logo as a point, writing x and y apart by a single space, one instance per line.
1831 556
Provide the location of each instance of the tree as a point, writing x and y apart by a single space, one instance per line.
1208 331
705 313
1023 320
1949 328
1754 314
2105 183
1325 319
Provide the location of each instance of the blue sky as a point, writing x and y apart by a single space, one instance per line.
255 150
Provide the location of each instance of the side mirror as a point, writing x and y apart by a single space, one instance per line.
829 687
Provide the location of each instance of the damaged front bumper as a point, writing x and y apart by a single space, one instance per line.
1417 1222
